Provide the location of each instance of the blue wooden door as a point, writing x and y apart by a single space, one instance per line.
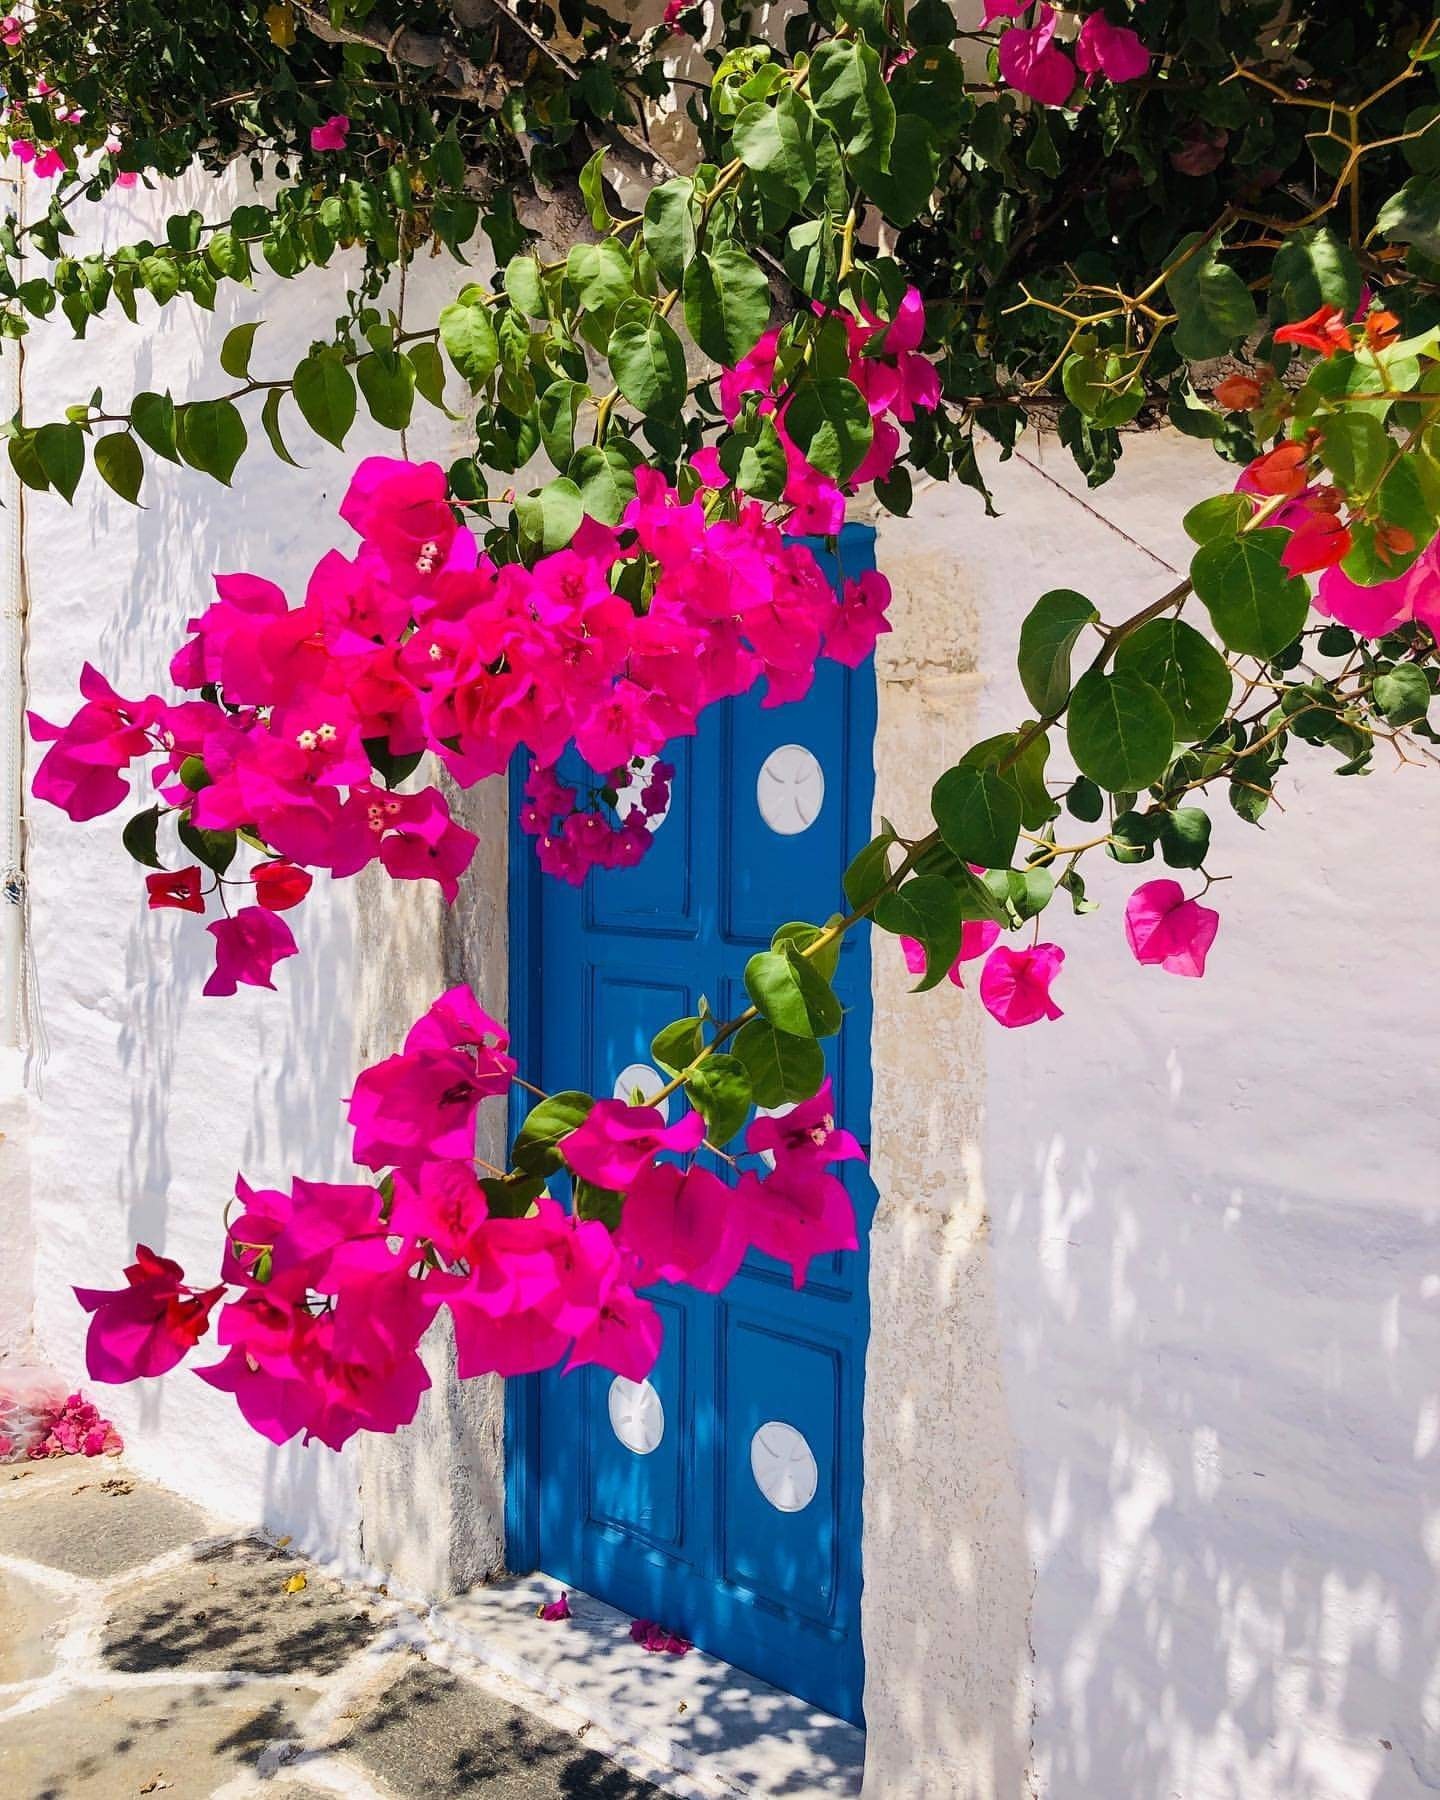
722 1497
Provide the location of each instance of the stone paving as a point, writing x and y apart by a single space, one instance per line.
143 1653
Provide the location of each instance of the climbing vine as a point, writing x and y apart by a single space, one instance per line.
719 285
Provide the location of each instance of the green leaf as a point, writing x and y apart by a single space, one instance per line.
1084 801
793 996
592 191
216 849
601 274
324 391
138 837
1413 215
782 1067
153 418
727 303
557 408
869 870
159 276
606 481
511 1196
61 450
470 342
848 88
551 517
428 368
120 463
720 1090
235 351
676 1045
1355 448
1025 771
1185 669
978 812
802 934
534 1149
648 363
754 459
1254 605
1215 307
212 437
525 287
777 144
668 227
388 383
270 421
1402 694
1047 639
925 908
1120 731
1221 516
1185 837
1313 268
1104 385
830 422
903 186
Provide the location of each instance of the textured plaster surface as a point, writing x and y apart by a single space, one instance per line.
152 1096
1212 1214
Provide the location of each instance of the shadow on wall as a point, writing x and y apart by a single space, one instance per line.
1216 1236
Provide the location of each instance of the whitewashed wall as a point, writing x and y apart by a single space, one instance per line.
1212 1239
154 1096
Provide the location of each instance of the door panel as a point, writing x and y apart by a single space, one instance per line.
723 1496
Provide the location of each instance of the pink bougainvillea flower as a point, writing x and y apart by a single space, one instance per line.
147 1326
1030 63
806 1136
401 508
616 1140
23 150
12 30
1386 605
624 1335
442 1202
1004 9
332 134
80 773
976 937
682 1225
180 890
48 164
555 1610
1015 984
1163 927
247 949
858 619
1110 50
797 1213
651 1636
280 885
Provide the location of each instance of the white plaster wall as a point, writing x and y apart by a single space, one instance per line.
1212 1212
154 1096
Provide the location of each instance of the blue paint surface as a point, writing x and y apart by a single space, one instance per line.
683 1534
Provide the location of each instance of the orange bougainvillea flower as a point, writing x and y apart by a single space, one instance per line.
1381 330
1321 542
1280 471
1325 330
1238 393
1392 541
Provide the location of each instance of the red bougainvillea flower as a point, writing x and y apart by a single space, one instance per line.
1165 928
332 134
1113 51
616 1141
1015 984
1279 471
280 885
1321 541
1238 393
1324 331
1381 329
247 949
180 890
1030 63
147 1326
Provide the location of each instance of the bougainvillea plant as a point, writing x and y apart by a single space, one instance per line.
795 270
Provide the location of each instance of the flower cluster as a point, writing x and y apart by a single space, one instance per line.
1033 62
615 645
326 1290
886 365
36 1423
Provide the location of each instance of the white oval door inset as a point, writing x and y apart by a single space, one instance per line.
783 1466
790 789
636 1415
640 1077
